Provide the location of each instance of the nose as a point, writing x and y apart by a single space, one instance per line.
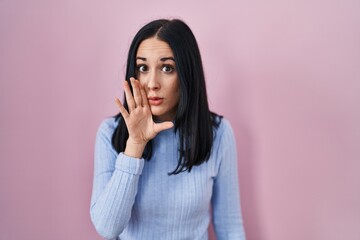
152 81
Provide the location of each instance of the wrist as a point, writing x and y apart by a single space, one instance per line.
134 149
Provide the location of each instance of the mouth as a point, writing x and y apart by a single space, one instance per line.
155 101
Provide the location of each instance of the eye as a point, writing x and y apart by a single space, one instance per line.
167 68
142 68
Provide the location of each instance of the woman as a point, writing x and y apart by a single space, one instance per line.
165 158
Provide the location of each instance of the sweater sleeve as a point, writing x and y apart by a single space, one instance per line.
227 217
115 185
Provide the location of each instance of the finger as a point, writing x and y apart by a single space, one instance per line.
145 101
136 91
129 97
123 111
163 126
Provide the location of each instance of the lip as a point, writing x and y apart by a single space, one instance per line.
155 101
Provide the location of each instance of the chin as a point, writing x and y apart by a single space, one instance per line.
163 113
156 111
163 116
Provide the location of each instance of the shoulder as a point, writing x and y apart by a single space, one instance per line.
107 127
224 129
224 139
221 125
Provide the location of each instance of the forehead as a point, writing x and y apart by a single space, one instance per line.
153 47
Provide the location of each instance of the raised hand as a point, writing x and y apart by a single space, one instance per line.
138 119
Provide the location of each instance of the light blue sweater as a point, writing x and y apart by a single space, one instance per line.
137 199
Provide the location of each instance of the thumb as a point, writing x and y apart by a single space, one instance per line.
163 126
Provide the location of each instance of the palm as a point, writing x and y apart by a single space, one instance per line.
140 125
138 119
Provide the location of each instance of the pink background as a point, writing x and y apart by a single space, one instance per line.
285 73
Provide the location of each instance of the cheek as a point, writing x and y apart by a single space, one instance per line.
176 90
142 82
171 85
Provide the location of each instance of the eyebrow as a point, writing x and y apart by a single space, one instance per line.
161 59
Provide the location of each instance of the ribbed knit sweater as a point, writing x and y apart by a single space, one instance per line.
137 199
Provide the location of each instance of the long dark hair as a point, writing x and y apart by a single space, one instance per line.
194 121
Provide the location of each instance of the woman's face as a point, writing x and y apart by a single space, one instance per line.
156 71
